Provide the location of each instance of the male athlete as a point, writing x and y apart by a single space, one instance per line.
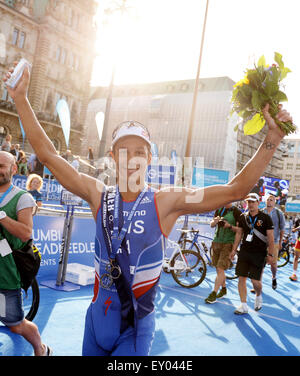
131 222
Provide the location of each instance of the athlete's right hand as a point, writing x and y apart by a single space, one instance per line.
20 90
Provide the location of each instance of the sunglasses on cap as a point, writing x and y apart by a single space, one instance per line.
129 124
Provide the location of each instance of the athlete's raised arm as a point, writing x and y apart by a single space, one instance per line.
172 203
80 184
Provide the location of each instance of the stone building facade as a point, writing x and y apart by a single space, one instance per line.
57 38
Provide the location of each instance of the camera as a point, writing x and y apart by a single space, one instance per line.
221 222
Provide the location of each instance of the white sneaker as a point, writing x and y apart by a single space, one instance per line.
48 351
258 303
241 310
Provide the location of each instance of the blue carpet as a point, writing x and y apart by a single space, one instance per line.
185 325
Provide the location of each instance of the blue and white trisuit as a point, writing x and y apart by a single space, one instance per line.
119 329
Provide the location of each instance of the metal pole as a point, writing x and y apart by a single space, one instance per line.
192 117
102 150
107 113
62 249
68 241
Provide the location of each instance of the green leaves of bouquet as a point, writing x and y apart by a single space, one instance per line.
260 86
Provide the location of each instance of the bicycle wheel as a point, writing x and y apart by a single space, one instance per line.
31 301
191 275
283 258
189 245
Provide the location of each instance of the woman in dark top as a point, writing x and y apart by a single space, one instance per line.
34 185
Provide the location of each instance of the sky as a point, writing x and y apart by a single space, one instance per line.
159 40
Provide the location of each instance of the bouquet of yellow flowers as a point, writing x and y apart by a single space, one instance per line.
260 86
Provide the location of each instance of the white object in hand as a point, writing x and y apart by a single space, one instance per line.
17 73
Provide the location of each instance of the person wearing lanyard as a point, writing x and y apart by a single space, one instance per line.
226 219
128 261
256 231
279 226
16 221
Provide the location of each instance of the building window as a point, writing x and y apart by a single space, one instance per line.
58 53
291 149
63 56
15 36
18 38
10 3
71 60
22 39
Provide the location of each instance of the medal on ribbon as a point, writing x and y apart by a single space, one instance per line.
113 241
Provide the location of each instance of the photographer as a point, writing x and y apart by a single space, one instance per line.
226 219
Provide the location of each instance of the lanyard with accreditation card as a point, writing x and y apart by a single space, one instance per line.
249 237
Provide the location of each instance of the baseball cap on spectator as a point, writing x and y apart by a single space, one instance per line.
252 197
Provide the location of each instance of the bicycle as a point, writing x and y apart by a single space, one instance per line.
195 244
187 267
31 300
286 250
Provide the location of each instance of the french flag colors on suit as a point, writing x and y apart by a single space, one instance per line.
148 269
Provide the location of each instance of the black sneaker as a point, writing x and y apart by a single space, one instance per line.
212 297
274 284
222 293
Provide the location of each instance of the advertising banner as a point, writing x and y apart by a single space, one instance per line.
278 187
162 175
47 236
205 177
292 207
269 184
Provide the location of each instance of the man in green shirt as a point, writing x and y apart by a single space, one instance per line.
226 219
16 223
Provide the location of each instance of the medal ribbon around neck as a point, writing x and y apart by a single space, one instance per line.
113 243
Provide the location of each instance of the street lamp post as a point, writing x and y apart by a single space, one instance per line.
123 8
194 104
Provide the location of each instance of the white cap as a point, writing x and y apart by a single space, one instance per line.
131 128
252 197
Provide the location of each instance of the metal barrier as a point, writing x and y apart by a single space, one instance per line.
68 212
60 210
